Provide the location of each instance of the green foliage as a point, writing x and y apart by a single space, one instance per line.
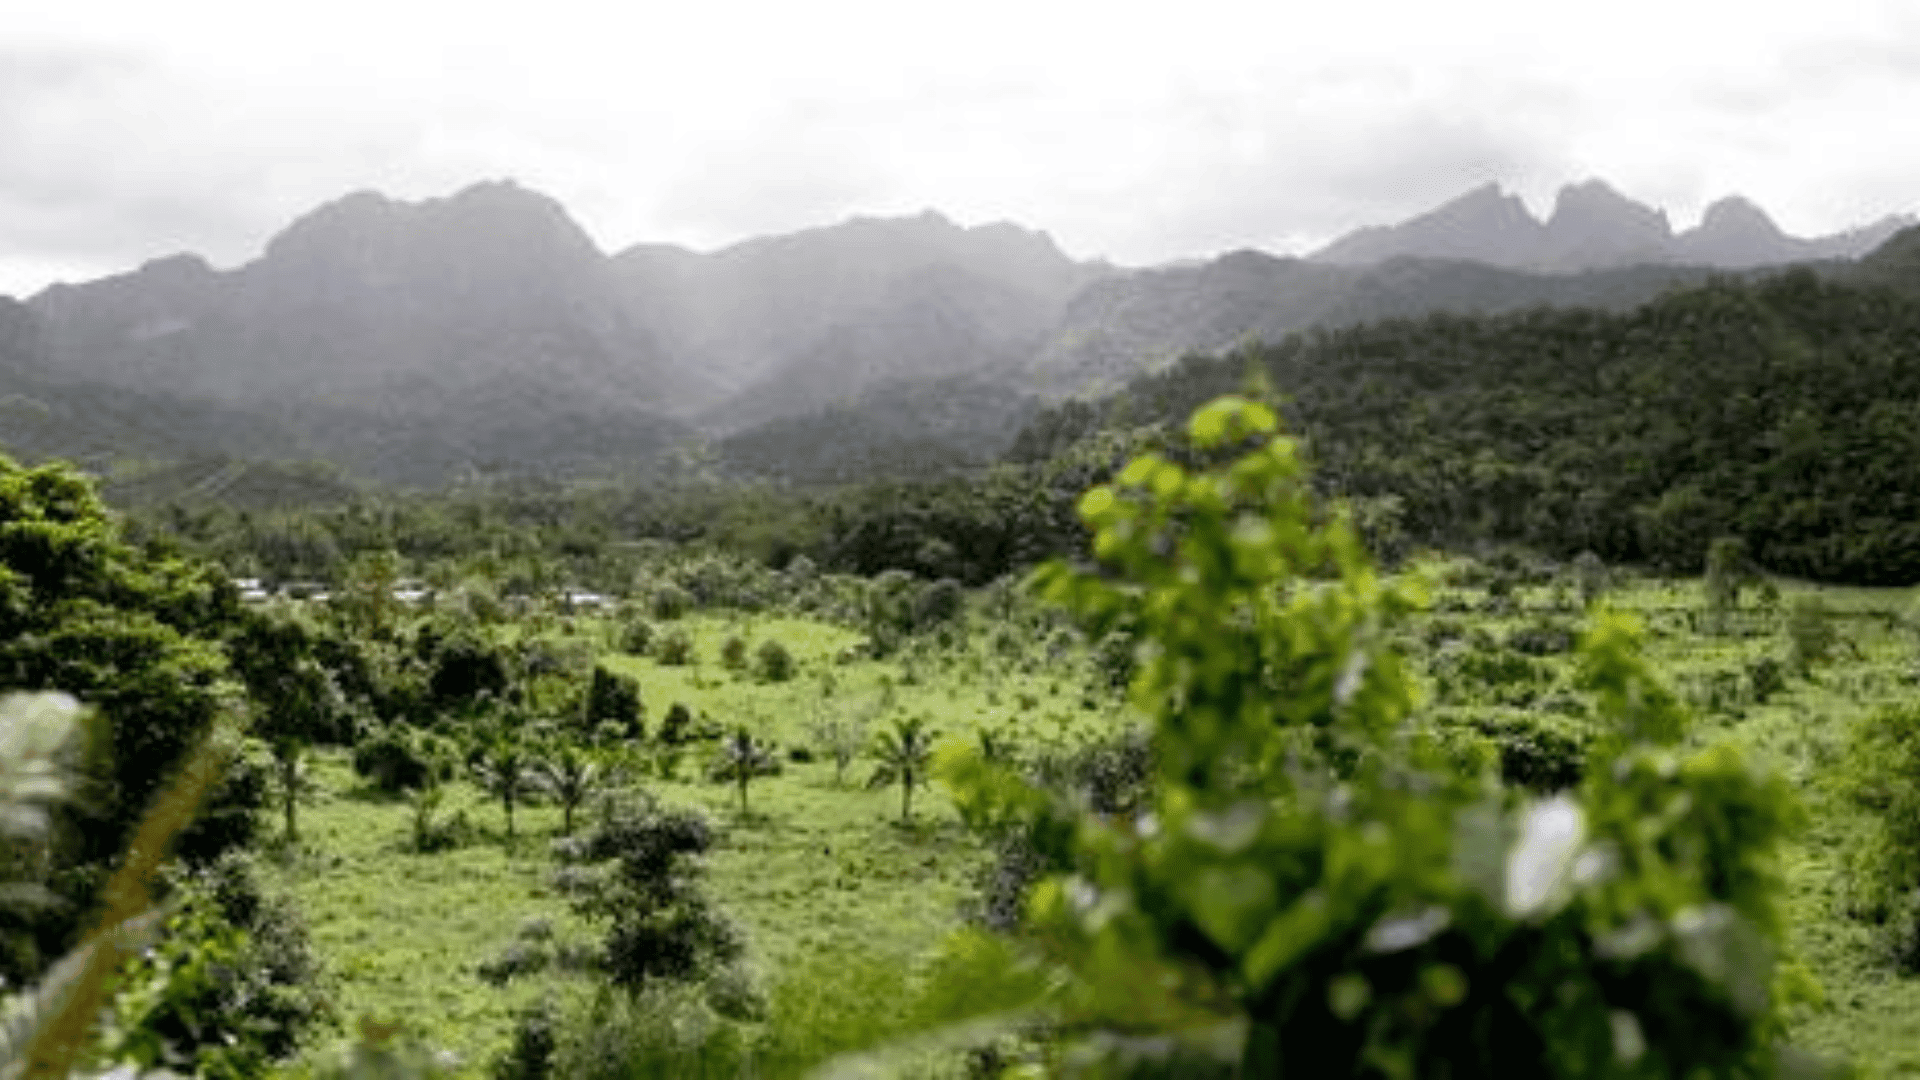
670 602
661 925
1780 410
296 701
677 726
733 653
1590 576
842 734
131 632
228 990
614 699
1811 636
571 778
675 648
1727 570
1882 778
505 766
774 662
636 637
1309 895
395 758
739 759
904 754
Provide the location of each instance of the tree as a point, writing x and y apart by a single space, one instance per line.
742 758
614 699
505 768
571 777
904 753
133 632
842 736
1311 892
1727 571
296 701
662 925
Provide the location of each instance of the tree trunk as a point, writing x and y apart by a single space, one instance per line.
289 776
906 796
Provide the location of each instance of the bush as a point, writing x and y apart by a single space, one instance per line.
1542 637
677 728
661 926
395 758
1883 863
614 699
636 637
663 1031
733 653
230 987
670 602
1810 634
775 662
534 1040
675 649
1313 895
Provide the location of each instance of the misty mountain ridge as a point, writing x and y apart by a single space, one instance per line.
1594 227
417 342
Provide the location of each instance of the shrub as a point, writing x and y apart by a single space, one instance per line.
614 699
677 728
775 662
395 758
675 649
1542 637
670 602
1312 895
1883 863
230 987
534 1040
1810 634
1766 676
636 637
733 653
661 926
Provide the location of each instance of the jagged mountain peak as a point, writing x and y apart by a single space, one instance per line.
1737 212
1594 203
1487 224
491 218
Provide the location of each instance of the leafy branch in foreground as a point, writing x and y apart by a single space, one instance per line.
48 1026
1312 892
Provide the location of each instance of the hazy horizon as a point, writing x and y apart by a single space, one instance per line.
1125 133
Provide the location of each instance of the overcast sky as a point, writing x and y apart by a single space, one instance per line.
1139 132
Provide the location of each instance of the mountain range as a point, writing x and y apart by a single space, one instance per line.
1593 227
422 342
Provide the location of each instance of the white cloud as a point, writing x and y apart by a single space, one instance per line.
1142 131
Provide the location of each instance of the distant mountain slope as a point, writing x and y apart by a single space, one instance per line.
485 334
1128 323
813 317
1781 408
908 429
1595 227
369 302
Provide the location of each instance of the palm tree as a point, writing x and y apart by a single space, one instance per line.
904 754
505 770
741 759
571 777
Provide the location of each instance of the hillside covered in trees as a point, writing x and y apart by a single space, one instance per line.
1782 410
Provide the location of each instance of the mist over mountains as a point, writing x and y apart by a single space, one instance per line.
485 332
1594 227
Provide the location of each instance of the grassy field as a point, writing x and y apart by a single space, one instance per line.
820 869
815 868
